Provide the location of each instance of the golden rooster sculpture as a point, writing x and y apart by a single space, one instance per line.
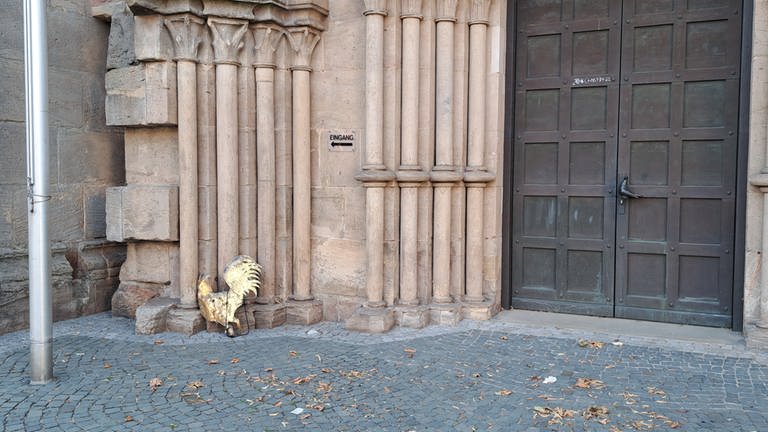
243 276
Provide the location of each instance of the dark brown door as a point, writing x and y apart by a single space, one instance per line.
642 90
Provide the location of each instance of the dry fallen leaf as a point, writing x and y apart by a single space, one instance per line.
589 383
504 338
293 354
235 360
410 352
159 342
323 387
154 383
128 419
195 384
584 343
213 362
596 412
504 392
303 380
107 365
656 391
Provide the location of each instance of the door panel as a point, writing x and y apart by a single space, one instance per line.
645 90
565 169
677 146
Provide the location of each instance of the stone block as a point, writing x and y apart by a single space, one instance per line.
338 266
304 312
151 156
186 321
66 213
151 317
143 212
371 320
150 262
151 212
445 314
412 316
130 295
480 311
142 95
151 40
269 315
756 337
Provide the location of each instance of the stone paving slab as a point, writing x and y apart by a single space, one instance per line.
474 376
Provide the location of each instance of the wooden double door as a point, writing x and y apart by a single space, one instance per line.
625 157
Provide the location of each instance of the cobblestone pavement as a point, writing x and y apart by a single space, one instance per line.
475 376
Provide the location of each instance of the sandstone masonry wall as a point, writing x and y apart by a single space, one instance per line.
86 158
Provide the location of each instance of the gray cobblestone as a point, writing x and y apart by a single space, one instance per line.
475 376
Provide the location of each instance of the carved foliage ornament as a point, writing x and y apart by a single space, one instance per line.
478 11
186 32
303 41
445 10
266 39
227 39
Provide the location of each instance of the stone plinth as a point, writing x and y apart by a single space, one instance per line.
304 312
445 314
269 315
480 311
130 295
756 337
371 320
412 316
151 317
186 321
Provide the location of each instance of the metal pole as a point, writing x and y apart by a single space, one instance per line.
36 82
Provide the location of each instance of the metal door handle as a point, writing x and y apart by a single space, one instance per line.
625 192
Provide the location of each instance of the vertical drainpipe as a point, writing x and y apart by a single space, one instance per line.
36 86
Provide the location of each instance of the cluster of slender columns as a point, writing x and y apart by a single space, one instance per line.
445 174
227 149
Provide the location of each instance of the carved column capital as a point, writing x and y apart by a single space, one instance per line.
445 10
410 9
265 38
187 32
375 7
478 11
303 41
227 39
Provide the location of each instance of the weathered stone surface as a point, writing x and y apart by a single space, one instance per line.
304 312
445 314
480 311
151 40
151 156
130 295
151 317
368 320
269 315
120 50
150 262
151 212
412 316
142 95
186 321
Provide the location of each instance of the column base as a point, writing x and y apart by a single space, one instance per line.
412 316
371 320
480 311
756 337
269 315
304 312
186 321
445 313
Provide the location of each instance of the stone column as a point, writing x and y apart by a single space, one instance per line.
303 309
444 173
186 32
410 175
476 175
246 128
227 42
374 175
266 38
